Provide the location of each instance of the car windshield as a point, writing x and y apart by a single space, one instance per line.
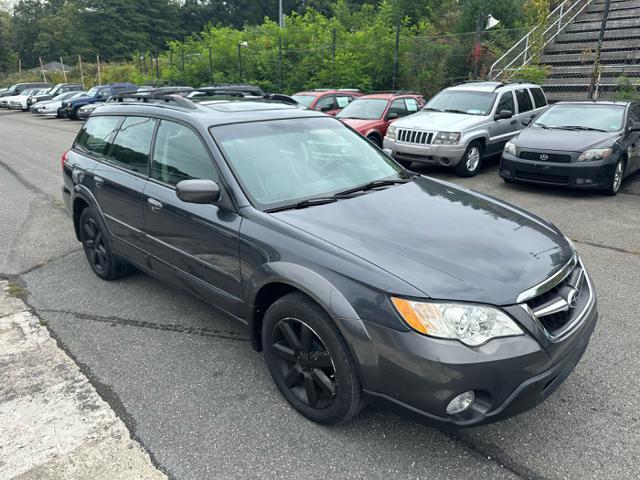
583 117
305 100
283 162
462 101
12 88
365 109
93 91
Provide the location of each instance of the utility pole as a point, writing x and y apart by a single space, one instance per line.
19 69
280 60
396 54
81 74
280 14
211 65
99 73
64 72
240 60
44 77
593 90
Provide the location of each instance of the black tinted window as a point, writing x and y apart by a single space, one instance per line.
328 102
524 101
131 146
96 135
179 155
506 103
538 97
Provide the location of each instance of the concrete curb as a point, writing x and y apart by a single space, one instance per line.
53 423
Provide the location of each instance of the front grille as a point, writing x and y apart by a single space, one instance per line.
552 308
542 177
550 157
418 137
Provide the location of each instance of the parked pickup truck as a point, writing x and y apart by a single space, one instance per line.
99 93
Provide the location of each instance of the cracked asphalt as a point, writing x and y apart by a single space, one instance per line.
183 377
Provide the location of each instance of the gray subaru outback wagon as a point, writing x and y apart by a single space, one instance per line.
352 274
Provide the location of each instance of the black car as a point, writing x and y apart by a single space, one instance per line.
361 281
591 145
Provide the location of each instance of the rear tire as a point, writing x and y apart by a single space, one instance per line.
97 248
471 161
309 360
616 179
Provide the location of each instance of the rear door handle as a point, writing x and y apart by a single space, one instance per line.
99 181
513 122
155 205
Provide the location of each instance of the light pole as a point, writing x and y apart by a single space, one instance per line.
240 45
280 14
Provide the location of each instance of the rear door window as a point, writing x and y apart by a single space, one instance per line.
96 135
538 97
343 101
180 155
524 100
130 148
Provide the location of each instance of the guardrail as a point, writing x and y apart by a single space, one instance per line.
522 52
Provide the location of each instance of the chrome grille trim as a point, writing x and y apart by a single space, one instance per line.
418 137
550 282
569 328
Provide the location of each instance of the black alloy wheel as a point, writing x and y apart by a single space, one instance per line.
309 360
304 364
97 249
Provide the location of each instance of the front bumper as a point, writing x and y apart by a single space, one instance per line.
445 155
418 376
594 174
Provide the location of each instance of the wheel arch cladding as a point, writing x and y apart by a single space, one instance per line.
281 278
79 204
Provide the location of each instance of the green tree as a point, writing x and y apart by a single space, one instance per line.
8 57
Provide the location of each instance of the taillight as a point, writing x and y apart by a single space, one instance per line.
63 159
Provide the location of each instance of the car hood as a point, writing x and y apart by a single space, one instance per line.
448 242
439 121
562 140
360 125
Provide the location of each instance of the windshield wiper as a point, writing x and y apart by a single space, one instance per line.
542 125
453 110
580 127
372 185
309 202
431 109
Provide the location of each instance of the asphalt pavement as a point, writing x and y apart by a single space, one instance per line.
183 378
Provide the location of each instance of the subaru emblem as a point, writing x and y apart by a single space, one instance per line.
544 156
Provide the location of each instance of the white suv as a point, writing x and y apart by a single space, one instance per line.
462 124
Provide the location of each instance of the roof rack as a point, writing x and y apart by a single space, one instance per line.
167 96
395 92
238 90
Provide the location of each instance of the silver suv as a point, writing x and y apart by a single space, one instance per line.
462 124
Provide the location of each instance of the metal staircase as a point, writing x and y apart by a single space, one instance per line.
569 46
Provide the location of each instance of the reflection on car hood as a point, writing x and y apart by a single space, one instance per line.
536 138
448 242
440 121
360 125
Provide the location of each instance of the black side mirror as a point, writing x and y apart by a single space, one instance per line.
526 121
326 108
198 191
635 127
392 115
503 115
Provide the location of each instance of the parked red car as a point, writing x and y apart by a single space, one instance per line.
327 100
370 115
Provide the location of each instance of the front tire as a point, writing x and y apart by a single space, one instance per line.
375 139
616 178
471 161
309 360
97 248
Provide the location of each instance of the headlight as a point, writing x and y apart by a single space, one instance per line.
473 325
510 148
34 100
594 154
447 138
391 132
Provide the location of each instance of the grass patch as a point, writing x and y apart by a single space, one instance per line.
15 290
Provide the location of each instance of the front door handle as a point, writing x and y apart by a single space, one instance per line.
513 122
99 181
155 205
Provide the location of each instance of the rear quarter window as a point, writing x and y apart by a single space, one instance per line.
96 135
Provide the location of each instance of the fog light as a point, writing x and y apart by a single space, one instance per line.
506 172
461 403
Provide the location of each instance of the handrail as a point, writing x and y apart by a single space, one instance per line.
565 9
